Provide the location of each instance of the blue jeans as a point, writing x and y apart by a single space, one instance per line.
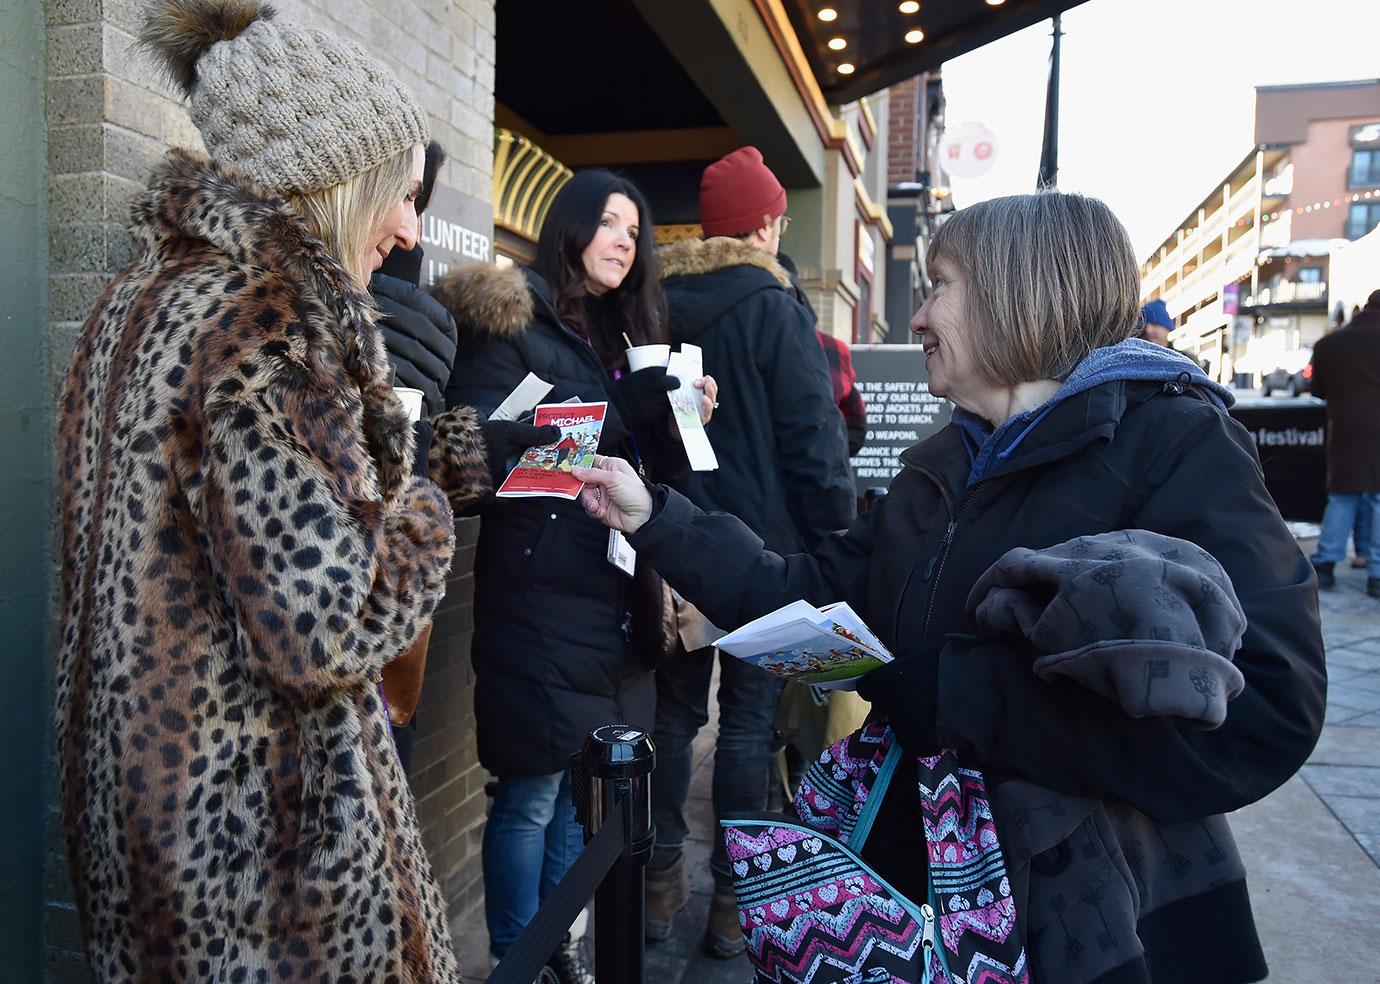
1361 535
1339 521
530 842
742 756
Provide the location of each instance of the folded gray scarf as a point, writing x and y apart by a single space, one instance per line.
1146 620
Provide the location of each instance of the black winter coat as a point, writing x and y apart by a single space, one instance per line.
779 437
418 332
1118 456
553 651
1346 373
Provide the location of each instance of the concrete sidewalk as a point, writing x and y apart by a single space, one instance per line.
1312 848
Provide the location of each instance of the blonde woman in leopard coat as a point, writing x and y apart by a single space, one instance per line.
244 543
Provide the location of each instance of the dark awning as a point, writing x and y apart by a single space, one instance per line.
879 42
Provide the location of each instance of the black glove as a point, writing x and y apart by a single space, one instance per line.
424 431
506 439
906 690
641 395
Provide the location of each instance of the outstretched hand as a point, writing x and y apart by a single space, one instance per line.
614 494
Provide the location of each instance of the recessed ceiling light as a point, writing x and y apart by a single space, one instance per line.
909 7
828 14
995 3
847 68
915 37
837 44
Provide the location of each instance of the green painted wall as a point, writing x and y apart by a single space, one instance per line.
26 407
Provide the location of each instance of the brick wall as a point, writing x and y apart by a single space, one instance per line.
446 778
903 153
110 118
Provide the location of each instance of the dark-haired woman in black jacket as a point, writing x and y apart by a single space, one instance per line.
558 648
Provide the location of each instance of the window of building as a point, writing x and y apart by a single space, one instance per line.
1365 169
1364 217
1310 275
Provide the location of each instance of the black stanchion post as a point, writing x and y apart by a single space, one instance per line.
617 763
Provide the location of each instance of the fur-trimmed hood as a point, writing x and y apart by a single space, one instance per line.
693 257
256 232
706 279
486 300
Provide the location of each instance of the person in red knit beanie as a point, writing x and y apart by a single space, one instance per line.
740 195
783 470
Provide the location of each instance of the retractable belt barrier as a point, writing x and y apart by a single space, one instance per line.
611 787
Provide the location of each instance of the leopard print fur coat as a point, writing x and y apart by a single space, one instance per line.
244 548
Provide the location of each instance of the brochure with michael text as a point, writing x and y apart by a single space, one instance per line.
545 470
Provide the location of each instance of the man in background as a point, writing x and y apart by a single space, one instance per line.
1346 374
783 470
1158 323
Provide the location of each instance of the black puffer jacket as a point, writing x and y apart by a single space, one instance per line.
1118 456
418 332
553 652
779 437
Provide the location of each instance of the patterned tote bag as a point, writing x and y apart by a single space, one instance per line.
814 912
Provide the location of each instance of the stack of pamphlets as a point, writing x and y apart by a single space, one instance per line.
545 470
828 647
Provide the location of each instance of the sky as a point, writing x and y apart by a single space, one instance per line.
1158 99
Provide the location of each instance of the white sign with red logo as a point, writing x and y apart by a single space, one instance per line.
968 150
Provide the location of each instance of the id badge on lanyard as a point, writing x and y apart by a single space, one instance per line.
621 553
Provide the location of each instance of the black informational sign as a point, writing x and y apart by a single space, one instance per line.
1291 438
900 409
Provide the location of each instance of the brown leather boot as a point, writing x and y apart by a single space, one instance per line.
723 937
667 891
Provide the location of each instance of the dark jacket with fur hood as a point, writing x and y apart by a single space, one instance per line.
244 548
554 652
783 458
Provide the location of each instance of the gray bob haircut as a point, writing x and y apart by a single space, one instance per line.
1047 278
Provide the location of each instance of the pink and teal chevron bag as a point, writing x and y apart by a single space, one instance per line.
813 912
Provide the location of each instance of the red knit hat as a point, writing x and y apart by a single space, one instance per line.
736 191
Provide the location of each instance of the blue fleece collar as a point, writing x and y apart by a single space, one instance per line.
1134 360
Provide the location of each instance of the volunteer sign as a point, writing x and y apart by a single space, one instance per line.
901 411
456 229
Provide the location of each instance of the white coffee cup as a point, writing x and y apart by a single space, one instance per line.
411 400
646 356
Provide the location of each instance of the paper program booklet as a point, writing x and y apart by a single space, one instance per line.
828 647
545 470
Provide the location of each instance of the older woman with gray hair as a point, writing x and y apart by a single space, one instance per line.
1066 431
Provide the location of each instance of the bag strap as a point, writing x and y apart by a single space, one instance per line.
867 816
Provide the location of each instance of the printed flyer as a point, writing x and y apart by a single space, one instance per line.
688 365
545 470
828 647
